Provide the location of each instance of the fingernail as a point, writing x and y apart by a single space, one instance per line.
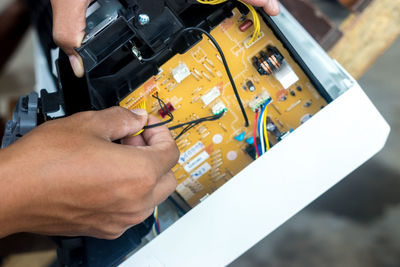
77 66
139 112
275 6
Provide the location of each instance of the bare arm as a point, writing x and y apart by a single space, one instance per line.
68 178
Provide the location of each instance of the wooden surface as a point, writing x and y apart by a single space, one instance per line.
367 36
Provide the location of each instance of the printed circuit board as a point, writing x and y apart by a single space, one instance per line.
195 85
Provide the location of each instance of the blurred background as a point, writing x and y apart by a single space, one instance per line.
356 223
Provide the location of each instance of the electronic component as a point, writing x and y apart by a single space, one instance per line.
136 39
246 25
259 101
218 108
305 118
271 127
286 75
250 85
307 104
250 140
249 43
202 96
165 112
240 137
213 94
281 95
181 72
268 62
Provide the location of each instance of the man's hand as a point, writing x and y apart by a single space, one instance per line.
69 23
68 178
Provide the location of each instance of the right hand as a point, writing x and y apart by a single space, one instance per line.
68 178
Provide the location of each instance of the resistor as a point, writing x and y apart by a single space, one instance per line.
205 135
197 90
205 75
197 73
194 100
208 69
222 126
246 25
210 62
195 76
165 82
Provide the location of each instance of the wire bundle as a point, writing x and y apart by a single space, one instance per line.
260 127
156 226
256 19
192 124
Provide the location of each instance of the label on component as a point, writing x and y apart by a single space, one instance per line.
191 165
201 171
188 154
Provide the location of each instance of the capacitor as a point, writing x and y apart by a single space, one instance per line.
246 25
250 85
307 104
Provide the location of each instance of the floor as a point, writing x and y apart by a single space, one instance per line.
354 224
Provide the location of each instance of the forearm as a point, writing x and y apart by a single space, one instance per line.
10 198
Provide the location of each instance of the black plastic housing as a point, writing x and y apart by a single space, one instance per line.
112 70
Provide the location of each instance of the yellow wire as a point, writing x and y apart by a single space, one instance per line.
265 128
141 105
256 19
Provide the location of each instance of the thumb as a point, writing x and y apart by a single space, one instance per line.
69 23
117 123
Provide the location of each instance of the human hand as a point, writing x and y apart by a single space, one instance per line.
69 23
68 178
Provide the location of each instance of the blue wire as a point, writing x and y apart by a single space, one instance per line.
260 130
260 125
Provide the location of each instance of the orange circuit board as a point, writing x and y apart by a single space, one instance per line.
195 85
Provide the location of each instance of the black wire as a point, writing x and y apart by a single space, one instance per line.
191 124
209 118
151 58
228 72
165 109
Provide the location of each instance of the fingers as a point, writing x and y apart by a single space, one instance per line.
270 6
116 123
155 148
69 23
134 141
162 149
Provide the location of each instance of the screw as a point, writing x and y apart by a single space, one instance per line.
143 19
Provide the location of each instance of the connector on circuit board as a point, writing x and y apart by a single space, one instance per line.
259 101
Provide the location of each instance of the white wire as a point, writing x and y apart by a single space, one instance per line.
261 132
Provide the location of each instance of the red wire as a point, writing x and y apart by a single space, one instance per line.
255 134
158 226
